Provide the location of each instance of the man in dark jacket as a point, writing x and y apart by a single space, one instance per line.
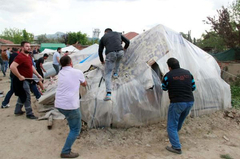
5 103
112 41
39 64
180 84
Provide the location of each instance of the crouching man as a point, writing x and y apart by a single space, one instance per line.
67 102
180 84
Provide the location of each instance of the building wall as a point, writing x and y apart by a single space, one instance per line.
230 70
5 46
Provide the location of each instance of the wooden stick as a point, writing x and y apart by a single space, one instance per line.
32 78
50 122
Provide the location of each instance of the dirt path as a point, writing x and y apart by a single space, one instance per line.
203 137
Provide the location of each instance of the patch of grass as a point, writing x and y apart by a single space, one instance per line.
227 156
235 91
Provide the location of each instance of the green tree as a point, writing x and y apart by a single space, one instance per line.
77 37
42 39
27 36
226 28
187 36
92 41
16 35
213 41
227 24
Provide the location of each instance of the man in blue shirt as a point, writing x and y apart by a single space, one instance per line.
56 60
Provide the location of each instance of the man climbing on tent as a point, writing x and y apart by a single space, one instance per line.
114 53
67 102
180 84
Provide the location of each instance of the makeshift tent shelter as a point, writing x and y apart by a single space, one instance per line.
47 51
78 56
52 46
137 97
70 49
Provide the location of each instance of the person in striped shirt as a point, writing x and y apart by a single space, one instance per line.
180 85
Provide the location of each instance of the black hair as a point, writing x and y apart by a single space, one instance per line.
45 55
15 49
65 60
108 29
173 63
24 42
59 48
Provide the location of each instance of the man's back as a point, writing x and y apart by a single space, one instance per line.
12 57
4 56
179 85
112 41
67 94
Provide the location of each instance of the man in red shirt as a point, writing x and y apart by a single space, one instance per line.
22 67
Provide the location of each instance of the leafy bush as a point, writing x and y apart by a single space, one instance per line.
235 90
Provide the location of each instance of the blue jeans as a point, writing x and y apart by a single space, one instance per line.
35 90
56 67
27 103
2 68
9 94
5 66
74 122
177 112
113 60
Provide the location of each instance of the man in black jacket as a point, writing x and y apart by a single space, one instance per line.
5 103
112 41
39 64
180 84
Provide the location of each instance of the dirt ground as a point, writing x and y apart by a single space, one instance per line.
208 136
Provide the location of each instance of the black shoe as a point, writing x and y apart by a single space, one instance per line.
171 149
70 155
32 117
19 113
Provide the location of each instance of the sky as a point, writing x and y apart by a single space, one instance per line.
50 16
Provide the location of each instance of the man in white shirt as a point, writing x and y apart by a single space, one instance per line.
67 102
56 60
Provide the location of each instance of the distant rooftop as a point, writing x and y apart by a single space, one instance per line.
130 35
3 41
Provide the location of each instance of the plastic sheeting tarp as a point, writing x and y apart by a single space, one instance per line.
52 46
47 51
70 49
137 97
76 57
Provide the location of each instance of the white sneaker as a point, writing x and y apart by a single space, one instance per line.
5 106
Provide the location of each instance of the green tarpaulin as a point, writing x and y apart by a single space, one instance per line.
229 55
52 46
